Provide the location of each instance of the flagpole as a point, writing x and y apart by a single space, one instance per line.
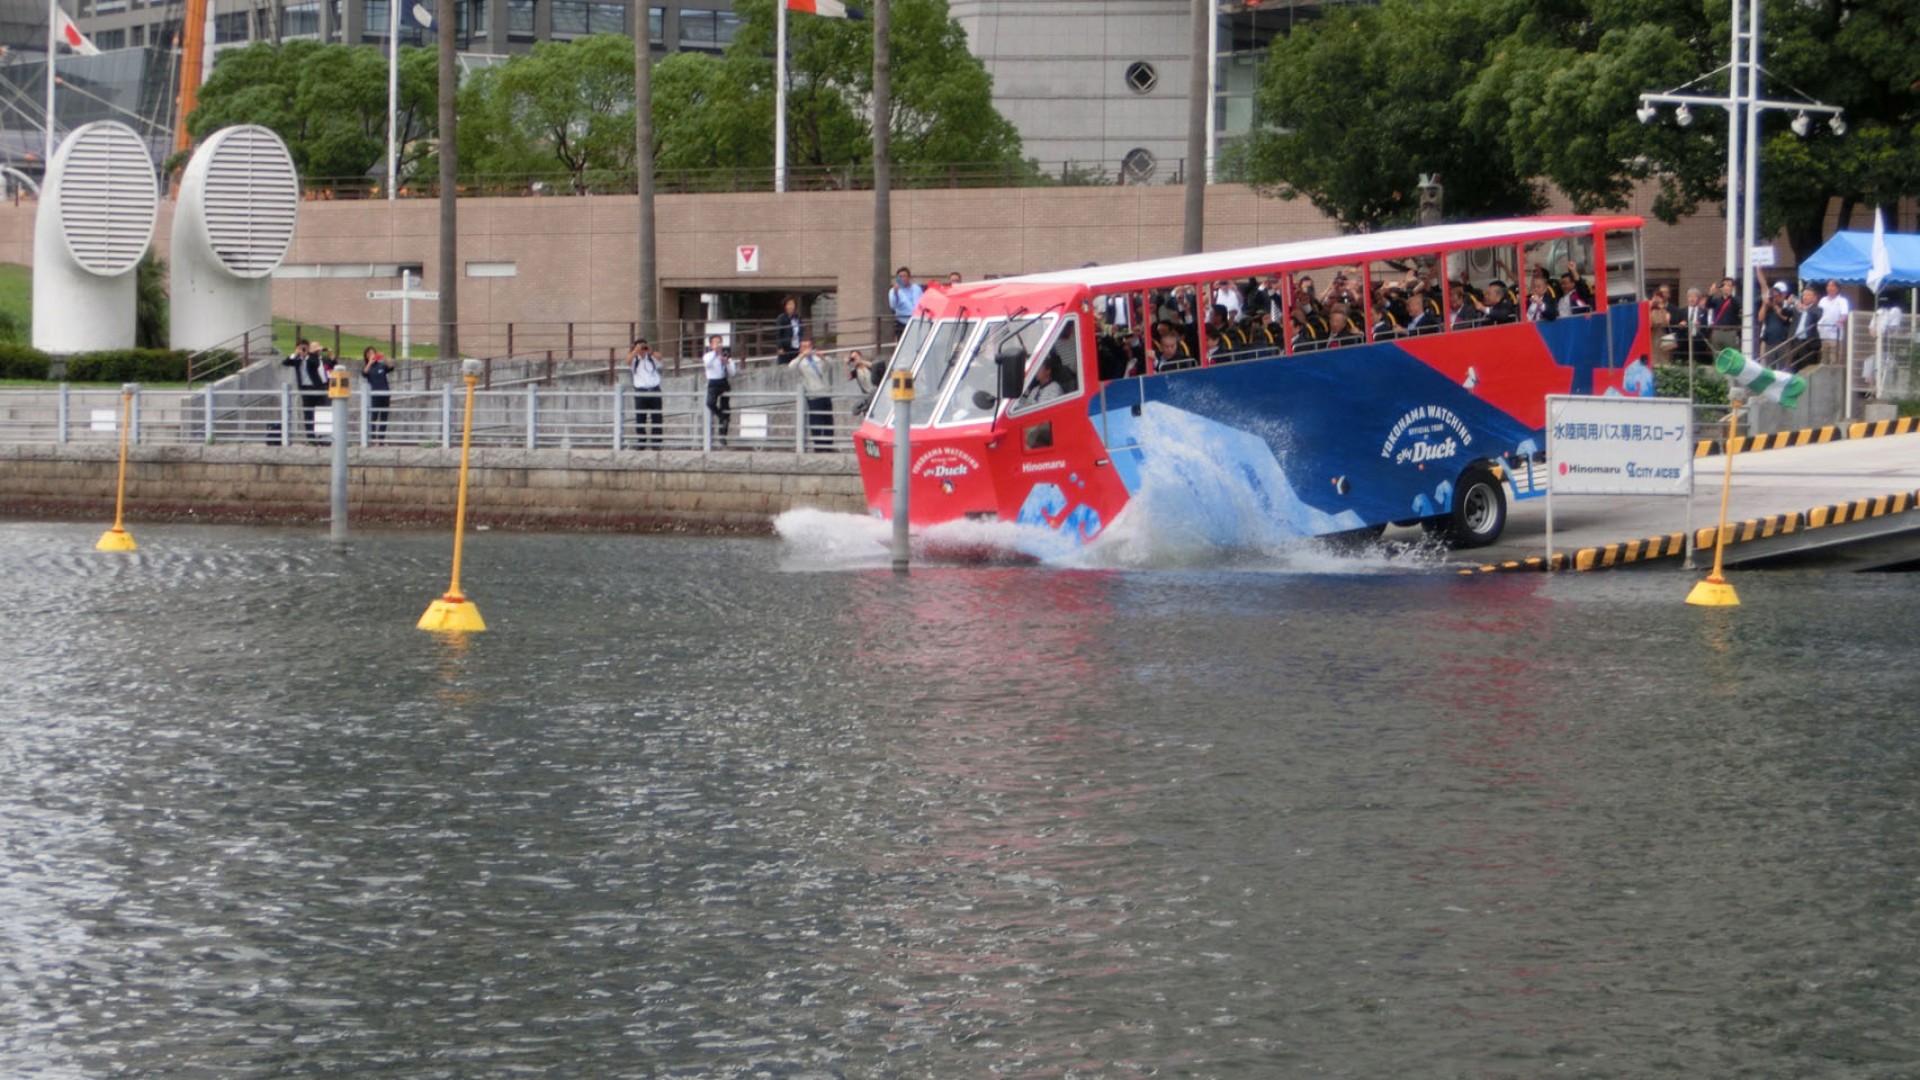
53 28
779 96
393 95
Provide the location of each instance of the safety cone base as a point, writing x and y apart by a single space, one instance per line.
1713 592
116 539
453 612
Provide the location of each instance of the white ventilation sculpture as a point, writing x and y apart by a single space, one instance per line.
97 208
232 226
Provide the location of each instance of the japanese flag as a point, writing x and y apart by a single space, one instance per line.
831 9
71 34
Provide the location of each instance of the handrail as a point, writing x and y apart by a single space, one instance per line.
232 355
903 176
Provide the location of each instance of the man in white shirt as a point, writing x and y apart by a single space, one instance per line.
646 393
1834 309
720 369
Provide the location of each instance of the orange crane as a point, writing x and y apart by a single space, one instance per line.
193 46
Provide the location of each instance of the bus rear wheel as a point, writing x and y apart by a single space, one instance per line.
1479 513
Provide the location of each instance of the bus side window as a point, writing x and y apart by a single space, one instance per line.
1057 375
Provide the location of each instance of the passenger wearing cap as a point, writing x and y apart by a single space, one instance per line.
1774 319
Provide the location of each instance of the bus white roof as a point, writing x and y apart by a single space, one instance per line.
1334 250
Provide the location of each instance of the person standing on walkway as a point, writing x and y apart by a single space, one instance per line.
646 394
903 298
816 385
720 369
789 329
375 369
310 376
1834 309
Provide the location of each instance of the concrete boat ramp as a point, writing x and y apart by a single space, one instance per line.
1852 501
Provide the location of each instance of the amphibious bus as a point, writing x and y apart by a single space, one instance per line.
1336 386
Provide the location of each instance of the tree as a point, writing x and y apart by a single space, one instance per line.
568 104
327 102
717 112
1518 92
1352 109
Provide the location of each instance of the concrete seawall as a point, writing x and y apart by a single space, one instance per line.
537 489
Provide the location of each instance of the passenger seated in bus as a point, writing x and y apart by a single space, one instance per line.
1261 340
1170 352
1053 379
1576 296
1339 330
1223 337
1111 356
1543 300
1543 296
1423 310
1392 308
1341 292
1494 306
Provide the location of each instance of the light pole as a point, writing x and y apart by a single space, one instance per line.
1744 106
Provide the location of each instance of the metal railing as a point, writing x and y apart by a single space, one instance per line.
545 350
906 176
530 418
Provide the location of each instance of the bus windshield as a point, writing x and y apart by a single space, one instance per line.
976 393
912 339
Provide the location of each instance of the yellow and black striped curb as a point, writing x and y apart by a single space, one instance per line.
1673 545
1867 429
1775 440
1772 440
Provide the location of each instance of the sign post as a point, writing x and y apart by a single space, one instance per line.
1619 446
406 294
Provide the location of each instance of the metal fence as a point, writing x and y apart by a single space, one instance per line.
527 418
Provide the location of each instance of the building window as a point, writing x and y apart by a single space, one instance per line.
137 36
569 18
707 29
231 27
1141 77
110 39
520 20
300 19
109 7
1138 166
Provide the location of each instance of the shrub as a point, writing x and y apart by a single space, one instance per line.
1709 388
22 361
128 365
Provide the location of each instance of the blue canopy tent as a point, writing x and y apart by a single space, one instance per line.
1848 256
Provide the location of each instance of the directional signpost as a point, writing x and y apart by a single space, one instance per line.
406 294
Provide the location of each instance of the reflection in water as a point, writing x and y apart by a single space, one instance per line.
687 809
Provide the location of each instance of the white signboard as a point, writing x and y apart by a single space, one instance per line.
1760 254
1619 446
746 258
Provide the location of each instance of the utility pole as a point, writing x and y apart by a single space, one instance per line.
882 169
1199 119
649 271
449 170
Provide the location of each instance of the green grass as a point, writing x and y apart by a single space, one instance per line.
16 298
351 345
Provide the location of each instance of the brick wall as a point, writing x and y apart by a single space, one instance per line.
534 489
575 256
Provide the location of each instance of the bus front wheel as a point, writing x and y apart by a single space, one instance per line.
1479 511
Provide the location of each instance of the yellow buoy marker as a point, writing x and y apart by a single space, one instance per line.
1714 591
118 538
454 612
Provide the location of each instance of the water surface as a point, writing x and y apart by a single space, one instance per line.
738 808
